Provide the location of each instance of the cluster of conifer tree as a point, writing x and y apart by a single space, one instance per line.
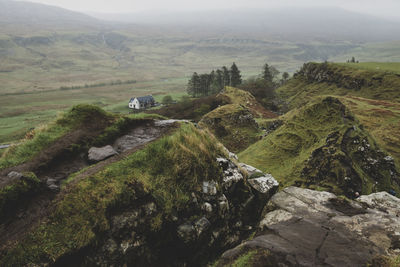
214 82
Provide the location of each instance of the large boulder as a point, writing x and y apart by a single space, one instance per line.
302 227
101 153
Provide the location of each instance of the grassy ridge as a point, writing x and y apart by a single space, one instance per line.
318 146
168 169
375 66
81 116
375 103
45 136
340 79
284 152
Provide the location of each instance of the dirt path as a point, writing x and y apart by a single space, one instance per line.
37 208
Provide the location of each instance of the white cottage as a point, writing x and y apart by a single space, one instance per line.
142 102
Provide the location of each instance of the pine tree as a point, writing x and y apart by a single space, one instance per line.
194 86
225 77
190 86
216 82
236 78
205 84
267 75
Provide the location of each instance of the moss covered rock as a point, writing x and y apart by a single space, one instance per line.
233 125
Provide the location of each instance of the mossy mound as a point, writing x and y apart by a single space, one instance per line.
323 146
80 116
240 97
233 125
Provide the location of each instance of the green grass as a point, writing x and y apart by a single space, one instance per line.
381 119
169 169
46 135
20 113
287 151
79 116
245 259
375 66
283 152
376 105
228 125
380 85
160 63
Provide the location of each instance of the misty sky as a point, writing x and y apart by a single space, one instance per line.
388 8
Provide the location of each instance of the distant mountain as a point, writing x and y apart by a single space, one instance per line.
18 13
290 23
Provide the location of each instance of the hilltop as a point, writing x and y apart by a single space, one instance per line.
17 14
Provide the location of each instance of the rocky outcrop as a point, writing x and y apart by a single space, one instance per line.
101 153
351 164
313 72
220 214
302 227
143 134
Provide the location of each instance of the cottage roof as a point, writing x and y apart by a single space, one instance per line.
144 99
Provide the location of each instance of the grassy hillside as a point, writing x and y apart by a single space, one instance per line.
370 91
234 123
342 79
319 146
167 169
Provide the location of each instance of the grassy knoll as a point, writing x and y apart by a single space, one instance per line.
44 136
233 125
374 101
318 146
340 79
168 169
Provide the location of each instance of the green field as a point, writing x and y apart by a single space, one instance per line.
33 70
21 112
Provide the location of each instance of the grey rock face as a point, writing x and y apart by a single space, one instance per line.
264 184
310 228
250 169
101 153
14 175
218 214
